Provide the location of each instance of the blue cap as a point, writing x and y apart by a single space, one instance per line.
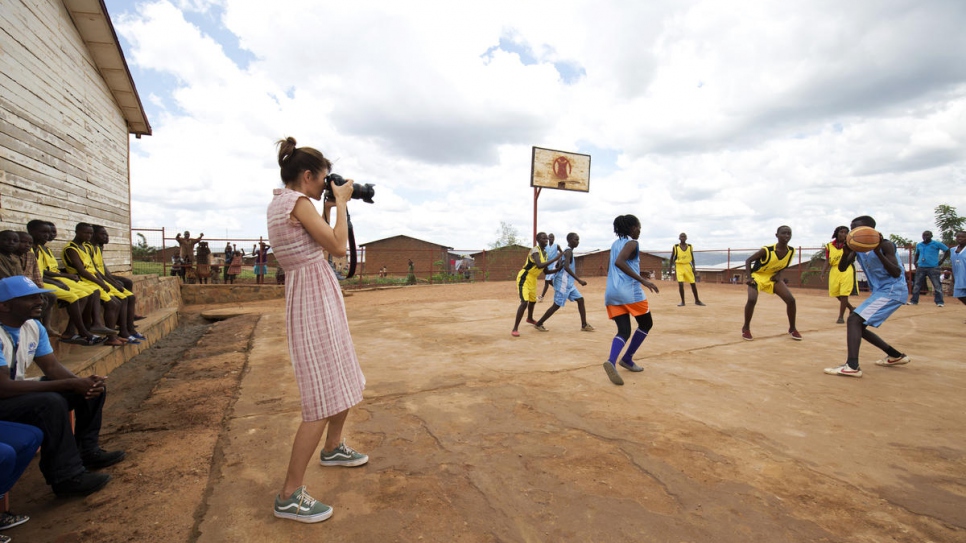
17 286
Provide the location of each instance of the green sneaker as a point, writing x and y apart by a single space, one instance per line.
301 507
343 455
612 374
630 366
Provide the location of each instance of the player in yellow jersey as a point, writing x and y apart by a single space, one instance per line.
840 284
78 261
96 249
80 299
527 280
682 255
764 267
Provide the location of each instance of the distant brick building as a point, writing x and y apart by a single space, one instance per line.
596 264
501 264
395 253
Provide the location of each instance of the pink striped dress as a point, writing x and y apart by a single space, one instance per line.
326 368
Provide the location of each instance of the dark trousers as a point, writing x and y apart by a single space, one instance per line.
18 446
61 449
920 280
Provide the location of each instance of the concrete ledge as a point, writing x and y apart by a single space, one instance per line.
101 360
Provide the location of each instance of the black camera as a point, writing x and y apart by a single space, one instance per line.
359 192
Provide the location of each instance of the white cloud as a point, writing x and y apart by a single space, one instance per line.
729 118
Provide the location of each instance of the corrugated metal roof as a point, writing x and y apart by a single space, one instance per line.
94 25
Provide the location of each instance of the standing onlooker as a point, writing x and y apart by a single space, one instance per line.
683 257
928 262
261 260
887 281
958 257
326 367
203 262
229 253
234 269
187 245
625 298
840 284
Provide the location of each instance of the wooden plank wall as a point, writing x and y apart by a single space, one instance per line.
63 140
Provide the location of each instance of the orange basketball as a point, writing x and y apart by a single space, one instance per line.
863 239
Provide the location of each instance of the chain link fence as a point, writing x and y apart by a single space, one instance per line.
156 251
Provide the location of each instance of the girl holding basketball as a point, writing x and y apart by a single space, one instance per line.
840 284
887 281
625 298
764 267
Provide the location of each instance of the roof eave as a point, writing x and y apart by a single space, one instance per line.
92 21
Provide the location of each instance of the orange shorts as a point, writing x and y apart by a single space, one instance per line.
635 309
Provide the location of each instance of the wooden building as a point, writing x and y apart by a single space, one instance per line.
67 107
395 253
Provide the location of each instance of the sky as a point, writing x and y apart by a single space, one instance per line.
723 119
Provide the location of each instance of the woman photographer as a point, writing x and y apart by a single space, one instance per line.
326 368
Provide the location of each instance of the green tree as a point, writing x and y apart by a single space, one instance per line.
813 268
508 236
141 250
948 223
900 241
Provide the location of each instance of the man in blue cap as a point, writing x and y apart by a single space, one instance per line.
66 458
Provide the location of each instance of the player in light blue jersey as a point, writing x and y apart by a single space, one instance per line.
625 298
887 281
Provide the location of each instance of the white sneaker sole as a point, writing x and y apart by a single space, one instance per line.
345 463
308 519
835 371
887 362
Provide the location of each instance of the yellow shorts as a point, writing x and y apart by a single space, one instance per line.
77 290
68 296
528 288
635 309
766 283
119 294
684 273
841 283
105 296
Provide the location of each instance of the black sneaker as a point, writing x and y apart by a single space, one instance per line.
101 459
84 484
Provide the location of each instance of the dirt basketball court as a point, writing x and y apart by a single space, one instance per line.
475 436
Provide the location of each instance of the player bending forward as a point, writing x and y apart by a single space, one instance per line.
887 280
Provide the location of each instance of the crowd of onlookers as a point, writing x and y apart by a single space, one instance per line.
58 412
195 264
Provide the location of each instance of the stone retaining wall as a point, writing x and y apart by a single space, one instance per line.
223 294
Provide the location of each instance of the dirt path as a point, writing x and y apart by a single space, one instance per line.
477 436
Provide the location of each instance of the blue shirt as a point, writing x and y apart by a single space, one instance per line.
622 289
552 252
880 280
959 268
42 348
929 253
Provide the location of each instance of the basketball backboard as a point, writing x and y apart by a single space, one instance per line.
552 169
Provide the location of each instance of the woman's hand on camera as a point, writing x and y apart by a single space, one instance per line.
343 192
